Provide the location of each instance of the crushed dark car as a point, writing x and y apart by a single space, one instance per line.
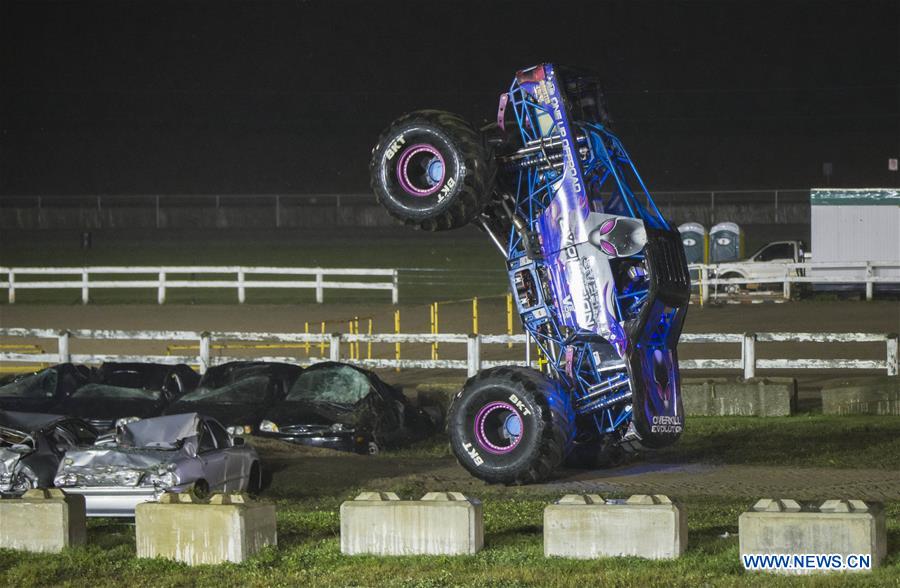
126 392
340 406
32 445
238 393
144 459
44 390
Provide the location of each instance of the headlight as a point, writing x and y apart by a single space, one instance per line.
238 430
126 421
62 480
268 426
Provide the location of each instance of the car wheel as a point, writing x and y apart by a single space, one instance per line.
200 490
255 482
372 448
732 288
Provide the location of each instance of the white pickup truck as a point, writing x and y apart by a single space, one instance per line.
770 261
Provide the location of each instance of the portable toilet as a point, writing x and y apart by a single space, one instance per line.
696 248
726 243
694 239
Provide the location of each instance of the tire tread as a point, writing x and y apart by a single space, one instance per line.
475 193
555 431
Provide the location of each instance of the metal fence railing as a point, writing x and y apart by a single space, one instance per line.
160 279
714 279
748 363
291 210
742 273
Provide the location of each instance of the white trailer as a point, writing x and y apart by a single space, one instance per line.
855 225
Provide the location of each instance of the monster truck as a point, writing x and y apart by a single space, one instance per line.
599 277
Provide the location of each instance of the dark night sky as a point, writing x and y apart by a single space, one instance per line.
288 96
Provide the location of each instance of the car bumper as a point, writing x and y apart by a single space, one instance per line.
338 442
115 501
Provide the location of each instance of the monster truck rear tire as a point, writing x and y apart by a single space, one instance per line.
430 169
510 425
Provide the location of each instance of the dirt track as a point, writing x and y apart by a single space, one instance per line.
340 473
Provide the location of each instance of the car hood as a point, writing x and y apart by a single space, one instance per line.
110 408
289 413
227 413
27 422
115 466
35 405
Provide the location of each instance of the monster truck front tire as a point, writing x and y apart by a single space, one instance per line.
430 169
510 425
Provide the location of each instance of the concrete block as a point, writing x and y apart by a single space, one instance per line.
589 527
766 397
836 527
870 395
230 527
43 520
441 523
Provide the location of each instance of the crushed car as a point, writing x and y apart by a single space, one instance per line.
126 392
32 445
238 393
146 458
340 406
44 390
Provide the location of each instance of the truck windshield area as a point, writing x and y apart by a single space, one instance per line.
776 251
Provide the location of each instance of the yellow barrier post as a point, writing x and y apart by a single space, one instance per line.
369 344
350 346
356 331
436 330
322 342
475 315
431 327
350 330
700 286
509 318
397 331
306 332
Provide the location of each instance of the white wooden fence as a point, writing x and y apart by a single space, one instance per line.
748 362
160 279
868 273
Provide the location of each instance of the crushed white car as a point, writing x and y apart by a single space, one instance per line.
144 459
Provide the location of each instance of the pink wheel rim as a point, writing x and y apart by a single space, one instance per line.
481 433
403 169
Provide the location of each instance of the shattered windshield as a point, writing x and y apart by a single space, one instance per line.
39 385
247 390
95 391
340 384
125 379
